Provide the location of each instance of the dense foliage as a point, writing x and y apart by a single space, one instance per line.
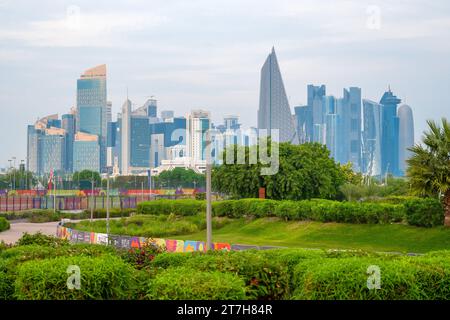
426 210
429 165
40 272
305 171
151 225
4 224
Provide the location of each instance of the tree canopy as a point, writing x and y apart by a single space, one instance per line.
305 171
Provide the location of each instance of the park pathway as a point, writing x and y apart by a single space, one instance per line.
19 228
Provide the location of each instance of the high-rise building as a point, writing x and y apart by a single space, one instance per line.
167 135
108 111
371 142
301 117
92 108
406 135
151 105
33 138
315 113
197 123
86 152
125 130
68 124
52 149
231 122
390 134
139 141
274 111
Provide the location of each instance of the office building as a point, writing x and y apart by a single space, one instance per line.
371 142
86 152
406 136
390 134
274 112
92 108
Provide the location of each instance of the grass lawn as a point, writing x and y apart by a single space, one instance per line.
276 232
302 234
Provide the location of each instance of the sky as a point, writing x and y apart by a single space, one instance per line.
208 54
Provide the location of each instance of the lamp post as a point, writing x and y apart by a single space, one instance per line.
208 192
14 169
107 203
10 168
92 195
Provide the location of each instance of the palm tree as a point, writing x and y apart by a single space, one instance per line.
429 165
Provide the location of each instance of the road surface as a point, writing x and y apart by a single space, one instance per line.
18 228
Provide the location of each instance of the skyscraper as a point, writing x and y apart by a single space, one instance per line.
390 133
274 111
52 149
125 124
86 152
68 124
371 148
301 115
92 109
315 113
406 135
197 123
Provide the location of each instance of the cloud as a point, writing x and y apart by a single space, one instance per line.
83 29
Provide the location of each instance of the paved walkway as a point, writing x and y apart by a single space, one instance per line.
18 228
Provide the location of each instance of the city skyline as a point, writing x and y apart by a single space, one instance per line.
219 73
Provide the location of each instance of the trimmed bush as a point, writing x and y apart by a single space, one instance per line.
106 277
4 224
427 212
264 278
191 284
407 278
184 207
41 239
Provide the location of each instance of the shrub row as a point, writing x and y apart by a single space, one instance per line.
184 207
45 215
40 272
403 278
4 224
417 211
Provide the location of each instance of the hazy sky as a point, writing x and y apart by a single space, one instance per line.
208 54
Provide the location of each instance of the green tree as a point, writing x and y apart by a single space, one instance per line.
429 165
85 177
24 179
180 178
305 171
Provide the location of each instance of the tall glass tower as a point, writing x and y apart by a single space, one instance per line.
274 111
92 107
390 133
371 148
406 135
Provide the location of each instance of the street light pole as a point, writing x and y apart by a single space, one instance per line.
14 158
92 197
208 192
107 204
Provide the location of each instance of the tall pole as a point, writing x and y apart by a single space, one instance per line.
54 193
208 192
92 197
107 204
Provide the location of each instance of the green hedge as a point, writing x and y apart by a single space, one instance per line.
191 284
316 210
106 277
4 224
346 279
417 211
427 212
265 278
185 207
